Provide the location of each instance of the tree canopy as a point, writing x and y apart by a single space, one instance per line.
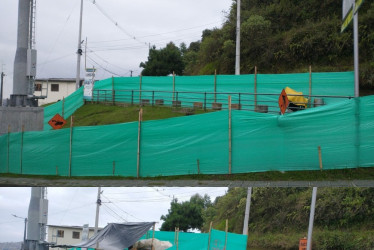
163 62
186 215
277 37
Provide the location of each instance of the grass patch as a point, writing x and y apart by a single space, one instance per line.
100 114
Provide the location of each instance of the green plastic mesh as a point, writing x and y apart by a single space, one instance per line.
126 89
64 107
260 142
200 241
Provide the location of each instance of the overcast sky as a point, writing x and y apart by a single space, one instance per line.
118 33
77 205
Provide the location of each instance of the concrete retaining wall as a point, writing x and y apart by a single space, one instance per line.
16 117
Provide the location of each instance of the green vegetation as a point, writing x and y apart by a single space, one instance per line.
100 114
163 62
278 37
185 215
344 217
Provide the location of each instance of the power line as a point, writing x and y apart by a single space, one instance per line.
116 215
103 68
157 34
115 23
122 209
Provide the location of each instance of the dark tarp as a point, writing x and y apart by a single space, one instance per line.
117 236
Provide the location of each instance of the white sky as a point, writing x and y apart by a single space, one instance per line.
77 205
149 21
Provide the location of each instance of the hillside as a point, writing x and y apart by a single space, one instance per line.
277 36
279 217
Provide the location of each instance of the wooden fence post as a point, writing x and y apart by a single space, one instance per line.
215 85
226 231
71 144
198 166
320 157
8 152
21 156
173 85
210 233
63 107
140 90
113 92
310 87
255 85
139 141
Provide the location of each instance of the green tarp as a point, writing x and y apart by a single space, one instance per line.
191 89
260 142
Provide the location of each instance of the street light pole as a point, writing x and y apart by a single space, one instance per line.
1 88
24 231
79 52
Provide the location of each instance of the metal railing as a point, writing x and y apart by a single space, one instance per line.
264 102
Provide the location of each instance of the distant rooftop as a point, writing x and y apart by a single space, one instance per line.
58 79
73 227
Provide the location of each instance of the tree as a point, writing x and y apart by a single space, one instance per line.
163 62
186 215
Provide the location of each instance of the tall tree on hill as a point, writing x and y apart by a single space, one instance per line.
163 62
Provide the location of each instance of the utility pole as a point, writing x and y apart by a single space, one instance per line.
98 204
79 51
247 209
85 55
311 219
131 73
237 54
355 50
1 88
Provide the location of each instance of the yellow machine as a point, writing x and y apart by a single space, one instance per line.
296 98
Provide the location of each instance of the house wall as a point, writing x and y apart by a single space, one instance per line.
65 88
67 238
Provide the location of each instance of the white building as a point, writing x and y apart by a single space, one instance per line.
66 235
54 88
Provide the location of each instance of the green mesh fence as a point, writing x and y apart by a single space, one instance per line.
64 107
200 241
201 88
260 142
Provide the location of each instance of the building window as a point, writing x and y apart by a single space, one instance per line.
38 87
76 235
60 233
54 87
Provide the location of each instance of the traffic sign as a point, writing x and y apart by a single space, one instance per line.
350 7
283 102
57 121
